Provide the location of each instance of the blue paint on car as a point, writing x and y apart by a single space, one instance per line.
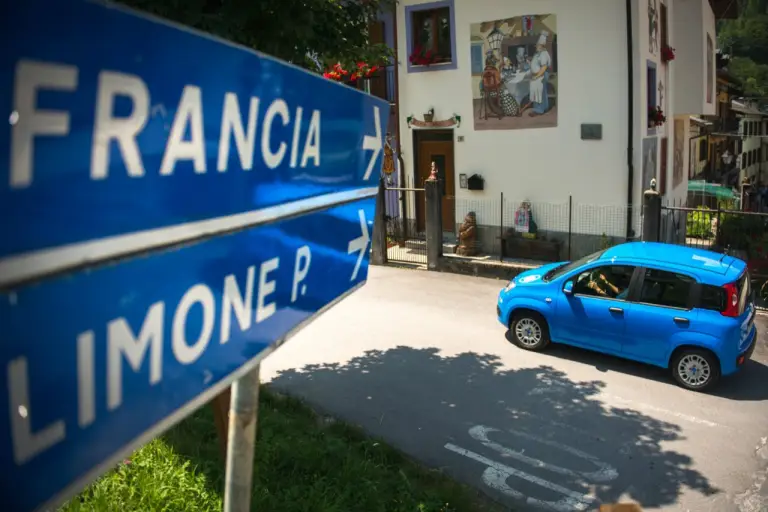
676 307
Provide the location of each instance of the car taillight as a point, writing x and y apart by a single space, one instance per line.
731 300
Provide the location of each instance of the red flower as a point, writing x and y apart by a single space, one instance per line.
656 116
419 57
667 54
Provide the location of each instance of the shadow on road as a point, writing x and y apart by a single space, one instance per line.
746 385
419 401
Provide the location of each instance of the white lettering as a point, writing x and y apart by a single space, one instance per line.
184 352
232 121
312 144
233 300
296 133
123 130
300 270
121 341
30 78
264 311
86 388
190 112
25 443
273 160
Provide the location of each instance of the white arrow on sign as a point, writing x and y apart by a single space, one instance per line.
373 143
359 244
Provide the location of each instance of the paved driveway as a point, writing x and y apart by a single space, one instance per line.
419 360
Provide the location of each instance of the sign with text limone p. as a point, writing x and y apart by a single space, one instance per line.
173 207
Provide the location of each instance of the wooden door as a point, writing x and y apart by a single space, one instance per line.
440 152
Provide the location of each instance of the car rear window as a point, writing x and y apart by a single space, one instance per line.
712 297
744 291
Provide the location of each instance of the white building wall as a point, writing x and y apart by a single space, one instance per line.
751 143
547 165
538 164
693 23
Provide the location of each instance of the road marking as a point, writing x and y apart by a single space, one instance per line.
496 474
606 473
649 407
558 388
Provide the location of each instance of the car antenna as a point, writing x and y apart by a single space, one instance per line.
725 252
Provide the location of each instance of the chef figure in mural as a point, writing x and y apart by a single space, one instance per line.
540 65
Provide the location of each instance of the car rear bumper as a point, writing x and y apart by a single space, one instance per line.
736 361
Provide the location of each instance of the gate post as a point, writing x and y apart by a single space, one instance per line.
434 222
379 239
651 213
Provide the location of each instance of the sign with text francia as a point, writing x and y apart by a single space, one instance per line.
173 207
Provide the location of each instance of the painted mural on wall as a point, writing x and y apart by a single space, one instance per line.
650 158
653 27
514 72
710 68
677 170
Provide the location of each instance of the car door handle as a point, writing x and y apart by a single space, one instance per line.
616 310
681 320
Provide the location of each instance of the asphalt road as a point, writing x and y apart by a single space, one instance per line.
418 359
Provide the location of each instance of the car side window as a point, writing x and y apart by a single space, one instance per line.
607 281
662 288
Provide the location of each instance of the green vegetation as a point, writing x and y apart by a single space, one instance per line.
335 30
699 223
746 40
303 463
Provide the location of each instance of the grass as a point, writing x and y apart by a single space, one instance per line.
303 463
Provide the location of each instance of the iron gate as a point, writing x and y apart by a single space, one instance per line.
405 209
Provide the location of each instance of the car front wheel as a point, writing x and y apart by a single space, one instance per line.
697 370
530 331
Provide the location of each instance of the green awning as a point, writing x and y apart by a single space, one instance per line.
710 189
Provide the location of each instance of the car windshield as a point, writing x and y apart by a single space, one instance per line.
567 267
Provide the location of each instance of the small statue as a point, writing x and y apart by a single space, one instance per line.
433 173
524 223
468 236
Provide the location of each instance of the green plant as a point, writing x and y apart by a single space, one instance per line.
605 242
699 223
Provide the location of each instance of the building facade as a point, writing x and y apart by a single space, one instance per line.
551 103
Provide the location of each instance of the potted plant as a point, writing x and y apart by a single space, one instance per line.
667 54
656 116
422 57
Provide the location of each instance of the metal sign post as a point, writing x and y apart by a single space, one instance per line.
175 207
243 416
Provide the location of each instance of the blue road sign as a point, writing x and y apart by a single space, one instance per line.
105 358
120 113
173 207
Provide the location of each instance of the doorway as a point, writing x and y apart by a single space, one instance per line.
435 146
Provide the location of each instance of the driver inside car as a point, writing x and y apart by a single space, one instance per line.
603 287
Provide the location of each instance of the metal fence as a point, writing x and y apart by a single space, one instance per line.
555 231
405 214
742 234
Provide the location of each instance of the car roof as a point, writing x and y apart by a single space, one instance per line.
709 266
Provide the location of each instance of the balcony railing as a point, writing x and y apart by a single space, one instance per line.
725 126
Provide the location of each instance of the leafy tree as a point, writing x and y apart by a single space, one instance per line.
746 40
293 30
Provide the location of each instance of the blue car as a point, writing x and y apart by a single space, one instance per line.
688 310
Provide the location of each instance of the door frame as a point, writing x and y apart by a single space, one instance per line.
433 135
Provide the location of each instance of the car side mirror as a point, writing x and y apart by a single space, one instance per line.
568 288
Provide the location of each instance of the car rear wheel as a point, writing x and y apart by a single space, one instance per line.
529 331
697 370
